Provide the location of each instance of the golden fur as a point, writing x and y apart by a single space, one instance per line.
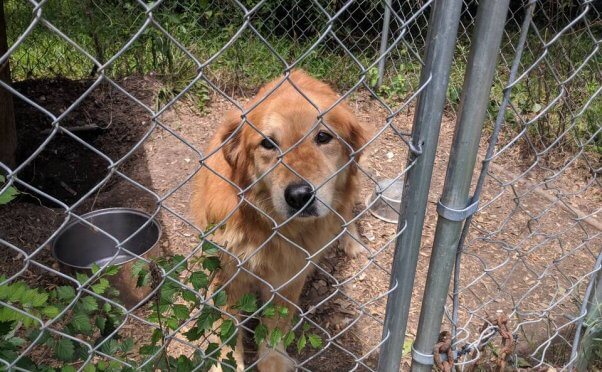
283 259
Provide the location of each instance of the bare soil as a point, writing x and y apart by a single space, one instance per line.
525 257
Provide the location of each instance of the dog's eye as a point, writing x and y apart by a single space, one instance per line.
268 143
323 138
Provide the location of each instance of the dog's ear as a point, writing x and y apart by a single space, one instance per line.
231 138
358 136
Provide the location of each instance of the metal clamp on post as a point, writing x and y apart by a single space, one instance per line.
428 359
457 214
424 359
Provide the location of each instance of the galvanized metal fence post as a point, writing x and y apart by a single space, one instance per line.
384 41
500 119
441 38
455 206
591 309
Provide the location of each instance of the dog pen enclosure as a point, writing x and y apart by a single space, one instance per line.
487 111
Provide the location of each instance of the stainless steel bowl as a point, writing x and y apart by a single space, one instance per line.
78 246
386 207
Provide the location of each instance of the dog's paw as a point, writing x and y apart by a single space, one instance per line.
276 361
351 247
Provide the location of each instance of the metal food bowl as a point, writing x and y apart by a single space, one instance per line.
78 246
386 207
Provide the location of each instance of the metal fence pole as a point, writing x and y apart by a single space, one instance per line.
384 41
500 119
441 38
591 309
455 206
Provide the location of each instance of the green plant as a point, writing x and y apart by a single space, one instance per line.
9 194
590 353
46 316
186 303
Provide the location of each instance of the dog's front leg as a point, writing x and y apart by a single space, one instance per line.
221 364
350 241
235 290
276 359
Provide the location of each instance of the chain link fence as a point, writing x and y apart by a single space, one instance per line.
113 105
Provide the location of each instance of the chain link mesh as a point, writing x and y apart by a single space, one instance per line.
115 102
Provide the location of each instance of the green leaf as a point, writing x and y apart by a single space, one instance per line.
220 299
305 327
148 349
8 195
81 323
17 291
199 280
95 268
211 263
111 270
194 334
183 364
301 342
261 332
156 336
127 345
100 322
172 323
207 318
189 296
16 341
283 311
81 277
269 311
209 248
181 311
65 293
64 349
34 298
106 307
289 338
213 350
141 273
314 340
101 286
227 329
51 311
88 304
229 365
68 368
247 303
89 368
275 337
137 267
110 347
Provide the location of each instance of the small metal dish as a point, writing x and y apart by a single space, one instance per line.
78 246
386 207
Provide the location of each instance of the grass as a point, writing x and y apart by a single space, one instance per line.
200 28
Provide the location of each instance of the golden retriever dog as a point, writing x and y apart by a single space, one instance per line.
284 178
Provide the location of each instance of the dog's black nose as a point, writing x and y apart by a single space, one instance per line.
298 195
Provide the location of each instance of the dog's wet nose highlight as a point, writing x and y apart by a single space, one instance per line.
298 195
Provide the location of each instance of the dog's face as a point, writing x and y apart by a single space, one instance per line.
295 163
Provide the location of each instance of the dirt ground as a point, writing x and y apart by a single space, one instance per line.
526 255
